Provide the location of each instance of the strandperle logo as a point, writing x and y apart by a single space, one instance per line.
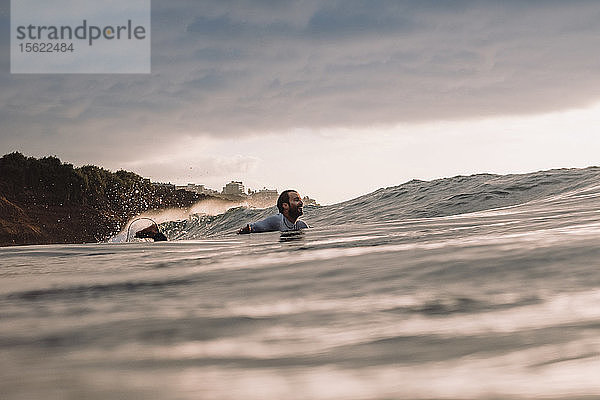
84 31
86 36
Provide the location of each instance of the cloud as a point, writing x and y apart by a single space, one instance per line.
226 69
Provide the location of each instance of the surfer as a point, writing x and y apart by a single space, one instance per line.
290 205
151 232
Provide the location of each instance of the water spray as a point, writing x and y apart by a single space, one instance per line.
138 219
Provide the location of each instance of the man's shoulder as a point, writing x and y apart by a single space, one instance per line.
301 224
270 223
275 218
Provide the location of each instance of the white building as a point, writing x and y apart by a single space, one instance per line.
234 187
265 194
195 188
200 189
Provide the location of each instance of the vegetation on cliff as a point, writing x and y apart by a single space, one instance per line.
46 201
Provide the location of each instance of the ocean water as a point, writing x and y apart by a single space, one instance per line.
482 287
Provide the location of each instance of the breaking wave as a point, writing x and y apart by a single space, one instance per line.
414 199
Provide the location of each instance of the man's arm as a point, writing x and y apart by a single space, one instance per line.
268 224
245 229
301 224
159 237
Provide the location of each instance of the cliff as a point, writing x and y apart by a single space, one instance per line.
45 201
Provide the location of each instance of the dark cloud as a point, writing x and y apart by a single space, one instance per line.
226 68
345 20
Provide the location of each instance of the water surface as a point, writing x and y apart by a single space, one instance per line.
472 287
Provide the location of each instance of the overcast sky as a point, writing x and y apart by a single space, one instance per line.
334 98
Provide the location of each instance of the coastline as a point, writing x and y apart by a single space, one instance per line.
45 201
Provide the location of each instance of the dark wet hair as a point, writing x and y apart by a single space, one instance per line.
284 197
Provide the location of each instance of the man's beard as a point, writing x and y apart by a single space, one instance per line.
296 212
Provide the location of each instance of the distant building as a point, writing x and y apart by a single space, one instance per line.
264 195
199 189
308 201
191 187
234 187
164 185
211 191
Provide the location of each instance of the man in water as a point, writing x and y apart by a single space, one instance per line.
290 205
151 232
